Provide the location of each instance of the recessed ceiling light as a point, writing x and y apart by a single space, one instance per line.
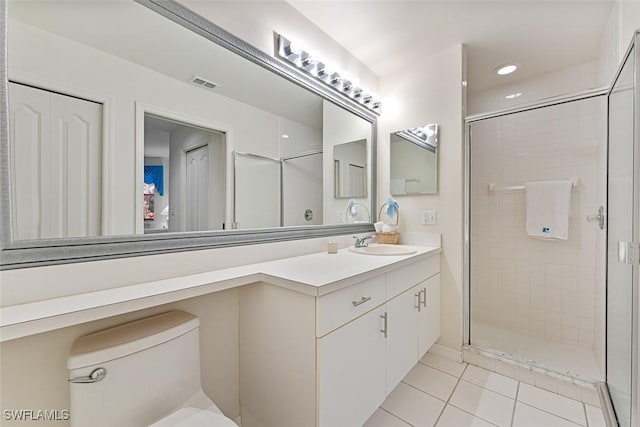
513 95
503 70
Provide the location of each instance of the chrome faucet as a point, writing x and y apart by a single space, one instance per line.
361 242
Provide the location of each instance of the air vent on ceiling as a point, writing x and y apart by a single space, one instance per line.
199 81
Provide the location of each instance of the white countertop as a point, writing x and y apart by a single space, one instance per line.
316 275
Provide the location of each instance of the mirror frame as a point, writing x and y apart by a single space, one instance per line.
39 252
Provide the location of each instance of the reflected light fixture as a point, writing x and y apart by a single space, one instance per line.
503 70
513 95
425 136
300 58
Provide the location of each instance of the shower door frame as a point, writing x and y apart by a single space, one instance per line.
469 120
603 389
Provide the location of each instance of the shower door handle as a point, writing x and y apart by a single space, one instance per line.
628 252
598 218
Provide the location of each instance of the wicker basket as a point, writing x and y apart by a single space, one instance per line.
388 238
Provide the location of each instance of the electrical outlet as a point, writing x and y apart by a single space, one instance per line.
429 217
340 218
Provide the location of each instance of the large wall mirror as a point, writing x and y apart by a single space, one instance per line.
414 160
138 127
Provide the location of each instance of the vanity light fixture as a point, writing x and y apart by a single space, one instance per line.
306 61
503 70
303 60
335 79
287 51
320 71
513 95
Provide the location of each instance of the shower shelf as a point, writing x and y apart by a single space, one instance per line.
493 187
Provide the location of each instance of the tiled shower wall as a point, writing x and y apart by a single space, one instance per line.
548 289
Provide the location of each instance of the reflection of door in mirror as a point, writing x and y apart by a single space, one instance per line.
197 200
56 152
190 163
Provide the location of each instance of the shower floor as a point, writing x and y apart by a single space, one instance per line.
578 362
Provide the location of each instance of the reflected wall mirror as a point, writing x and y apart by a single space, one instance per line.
120 144
414 160
350 169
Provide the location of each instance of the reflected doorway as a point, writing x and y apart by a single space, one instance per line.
184 176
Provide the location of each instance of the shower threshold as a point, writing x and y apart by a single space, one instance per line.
565 361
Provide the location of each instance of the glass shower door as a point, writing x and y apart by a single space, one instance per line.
622 241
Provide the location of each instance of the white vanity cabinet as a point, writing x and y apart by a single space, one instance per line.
350 363
331 360
429 314
413 319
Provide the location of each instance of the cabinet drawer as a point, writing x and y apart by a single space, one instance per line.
339 307
405 277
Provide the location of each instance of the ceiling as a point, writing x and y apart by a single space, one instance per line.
538 36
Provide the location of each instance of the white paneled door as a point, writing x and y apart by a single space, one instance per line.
197 203
56 164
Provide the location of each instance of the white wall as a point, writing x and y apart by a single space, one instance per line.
417 95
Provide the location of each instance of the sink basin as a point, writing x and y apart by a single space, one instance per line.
385 250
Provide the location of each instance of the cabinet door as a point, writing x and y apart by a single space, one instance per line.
351 364
429 315
402 336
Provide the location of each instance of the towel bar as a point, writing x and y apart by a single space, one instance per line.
493 187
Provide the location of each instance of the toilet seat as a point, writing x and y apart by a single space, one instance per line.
194 417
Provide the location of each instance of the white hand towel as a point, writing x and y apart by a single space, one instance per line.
548 209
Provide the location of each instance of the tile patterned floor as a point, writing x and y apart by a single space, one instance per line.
443 393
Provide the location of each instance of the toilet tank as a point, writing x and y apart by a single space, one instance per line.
152 366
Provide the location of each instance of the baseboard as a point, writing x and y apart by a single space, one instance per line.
446 352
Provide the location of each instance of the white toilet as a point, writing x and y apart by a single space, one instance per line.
141 373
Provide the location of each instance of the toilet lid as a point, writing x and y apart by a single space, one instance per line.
194 417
